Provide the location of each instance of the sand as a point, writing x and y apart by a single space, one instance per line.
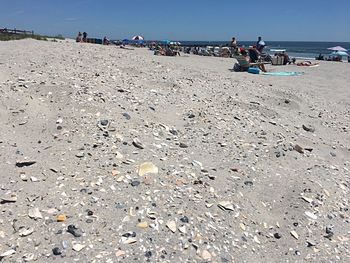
239 167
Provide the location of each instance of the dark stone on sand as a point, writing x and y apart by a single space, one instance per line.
25 163
183 145
129 234
248 183
86 191
308 128
299 149
56 251
72 229
277 235
173 131
309 149
310 244
184 219
135 183
127 116
104 122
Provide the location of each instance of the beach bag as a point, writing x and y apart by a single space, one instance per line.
236 67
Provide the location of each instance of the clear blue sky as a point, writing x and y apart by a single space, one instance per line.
314 20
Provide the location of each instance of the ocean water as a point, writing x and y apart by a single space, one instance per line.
294 48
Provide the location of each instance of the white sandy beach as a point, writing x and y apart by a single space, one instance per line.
251 168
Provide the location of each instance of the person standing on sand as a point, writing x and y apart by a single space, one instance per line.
233 46
260 44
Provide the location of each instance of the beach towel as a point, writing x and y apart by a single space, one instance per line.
283 73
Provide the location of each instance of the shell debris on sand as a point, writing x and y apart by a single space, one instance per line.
112 154
147 168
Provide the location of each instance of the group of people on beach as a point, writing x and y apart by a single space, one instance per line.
255 56
235 49
337 58
252 56
166 51
82 37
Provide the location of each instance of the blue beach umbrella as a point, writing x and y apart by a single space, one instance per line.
165 42
340 53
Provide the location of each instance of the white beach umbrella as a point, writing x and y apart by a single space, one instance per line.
337 48
138 38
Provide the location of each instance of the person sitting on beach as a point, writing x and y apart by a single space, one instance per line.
320 57
247 58
177 52
286 58
337 58
84 37
254 54
187 50
105 41
160 51
169 52
79 37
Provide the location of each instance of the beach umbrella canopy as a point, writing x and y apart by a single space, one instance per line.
337 48
138 38
166 42
340 53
